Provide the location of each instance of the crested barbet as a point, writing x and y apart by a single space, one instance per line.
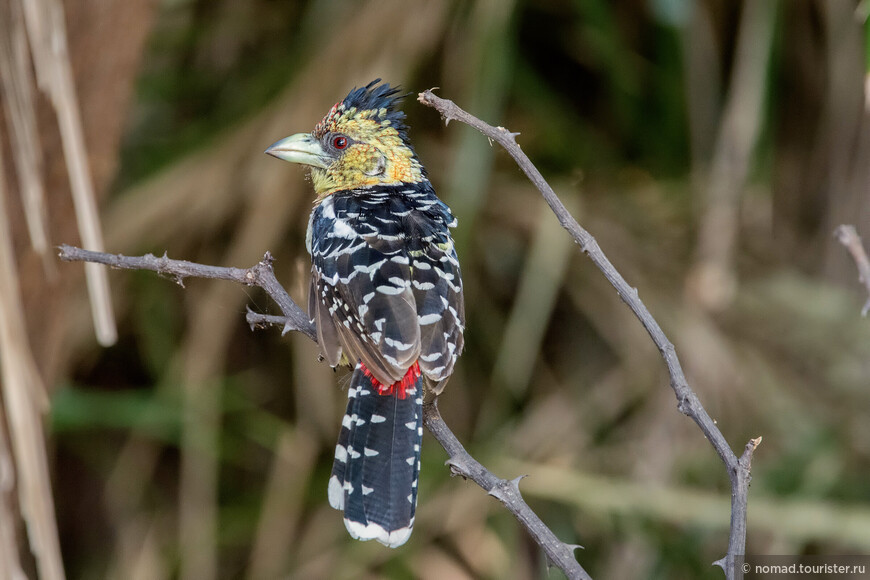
386 296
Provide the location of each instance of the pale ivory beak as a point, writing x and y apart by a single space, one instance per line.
300 148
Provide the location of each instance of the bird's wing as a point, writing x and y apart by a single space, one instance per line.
327 335
437 286
361 283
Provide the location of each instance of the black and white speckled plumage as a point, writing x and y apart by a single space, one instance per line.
386 274
386 290
386 296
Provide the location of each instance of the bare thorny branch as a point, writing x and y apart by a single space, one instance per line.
460 461
260 275
687 401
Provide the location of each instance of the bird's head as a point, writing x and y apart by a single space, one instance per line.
361 142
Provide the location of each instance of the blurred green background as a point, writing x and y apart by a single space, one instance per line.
711 147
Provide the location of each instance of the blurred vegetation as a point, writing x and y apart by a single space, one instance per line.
192 424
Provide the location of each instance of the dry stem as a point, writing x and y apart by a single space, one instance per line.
687 401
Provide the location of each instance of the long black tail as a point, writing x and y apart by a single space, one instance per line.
377 459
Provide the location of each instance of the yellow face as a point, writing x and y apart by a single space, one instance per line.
367 150
352 148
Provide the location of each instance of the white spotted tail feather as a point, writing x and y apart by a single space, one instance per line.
377 458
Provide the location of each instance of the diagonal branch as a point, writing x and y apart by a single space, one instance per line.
506 491
262 276
687 401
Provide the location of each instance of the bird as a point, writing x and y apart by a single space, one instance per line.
386 297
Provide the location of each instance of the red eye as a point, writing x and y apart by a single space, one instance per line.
339 142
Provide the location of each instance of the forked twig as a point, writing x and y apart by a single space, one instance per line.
687 401
262 275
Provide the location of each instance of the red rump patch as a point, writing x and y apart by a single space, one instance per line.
400 388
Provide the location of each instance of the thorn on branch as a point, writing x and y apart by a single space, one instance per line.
516 481
249 318
588 245
746 459
429 99
424 96
508 135
505 487
684 405
456 468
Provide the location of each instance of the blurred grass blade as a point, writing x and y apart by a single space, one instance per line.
799 520
713 282
145 413
488 45
283 504
16 82
10 564
539 285
21 385
47 34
